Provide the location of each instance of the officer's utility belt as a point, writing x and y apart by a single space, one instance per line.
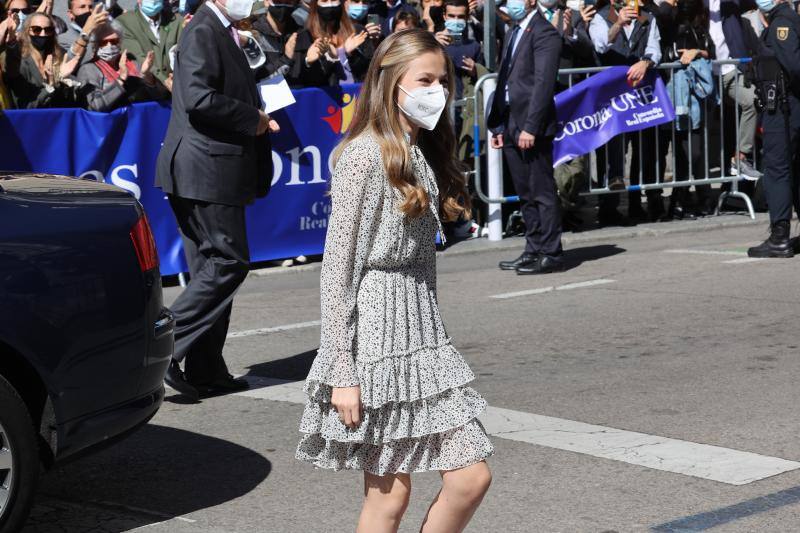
770 83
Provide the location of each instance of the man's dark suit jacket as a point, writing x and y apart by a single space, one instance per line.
531 81
211 152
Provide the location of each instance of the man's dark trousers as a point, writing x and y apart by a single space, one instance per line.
779 188
532 172
215 244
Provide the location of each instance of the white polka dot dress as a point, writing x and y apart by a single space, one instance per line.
381 329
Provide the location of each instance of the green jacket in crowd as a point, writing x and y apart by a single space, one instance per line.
139 39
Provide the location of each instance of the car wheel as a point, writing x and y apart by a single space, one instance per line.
19 460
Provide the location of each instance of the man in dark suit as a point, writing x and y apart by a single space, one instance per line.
522 120
215 160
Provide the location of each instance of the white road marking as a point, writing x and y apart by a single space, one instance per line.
704 252
744 260
661 453
567 287
265 331
584 284
704 461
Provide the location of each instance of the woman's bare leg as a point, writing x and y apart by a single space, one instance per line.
461 494
385 502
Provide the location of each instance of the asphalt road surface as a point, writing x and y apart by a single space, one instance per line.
651 387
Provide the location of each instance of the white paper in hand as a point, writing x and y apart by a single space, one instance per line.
275 94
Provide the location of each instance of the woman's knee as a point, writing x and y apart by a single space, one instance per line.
471 483
390 494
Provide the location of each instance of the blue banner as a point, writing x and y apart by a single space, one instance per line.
592 112
121 147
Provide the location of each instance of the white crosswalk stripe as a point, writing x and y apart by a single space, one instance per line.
715 463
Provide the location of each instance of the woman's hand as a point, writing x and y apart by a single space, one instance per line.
347 402
687 56
289 47
68 67
147 69
314 52
123 66
147 64
47 71
354 41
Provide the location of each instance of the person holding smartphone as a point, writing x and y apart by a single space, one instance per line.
467 56
625 35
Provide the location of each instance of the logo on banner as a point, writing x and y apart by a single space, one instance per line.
339 117
602 106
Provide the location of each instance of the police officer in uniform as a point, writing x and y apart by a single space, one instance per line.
778 72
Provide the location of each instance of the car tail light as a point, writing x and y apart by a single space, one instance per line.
144 244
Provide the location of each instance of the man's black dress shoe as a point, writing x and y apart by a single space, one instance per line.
545 265
177 381
222 386
526 259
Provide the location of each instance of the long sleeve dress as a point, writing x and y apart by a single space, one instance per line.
381 329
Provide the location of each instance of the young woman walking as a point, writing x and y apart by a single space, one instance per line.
387 393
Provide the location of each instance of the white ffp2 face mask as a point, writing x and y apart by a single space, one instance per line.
424 105
238 9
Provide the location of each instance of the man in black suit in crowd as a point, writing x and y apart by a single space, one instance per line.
216 159
523 122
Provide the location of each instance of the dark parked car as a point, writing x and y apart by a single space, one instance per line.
85 339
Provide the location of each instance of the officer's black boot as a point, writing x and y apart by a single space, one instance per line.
778 245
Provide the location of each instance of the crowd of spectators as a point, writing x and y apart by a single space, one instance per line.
101 59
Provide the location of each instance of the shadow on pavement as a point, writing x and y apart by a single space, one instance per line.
294 368
717 517
574 257
156 474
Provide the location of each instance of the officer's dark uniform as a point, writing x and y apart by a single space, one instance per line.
780 100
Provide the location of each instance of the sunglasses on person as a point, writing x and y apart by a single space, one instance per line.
110 40
23 10
39 30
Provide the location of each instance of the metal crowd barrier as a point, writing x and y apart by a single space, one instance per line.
494 196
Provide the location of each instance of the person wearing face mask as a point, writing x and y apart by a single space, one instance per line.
576 52
84 16
151 28
20 10
276 32
39 74
113 80
778 68
522 119
358 10
215 160
467 56
387 391
335 49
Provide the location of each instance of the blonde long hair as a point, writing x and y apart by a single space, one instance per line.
29 50
377 113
